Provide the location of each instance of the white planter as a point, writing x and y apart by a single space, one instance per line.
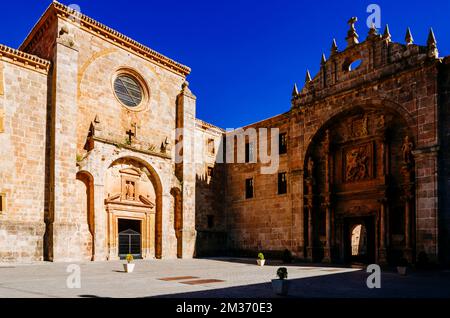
129 268
280 286
261 262
402 270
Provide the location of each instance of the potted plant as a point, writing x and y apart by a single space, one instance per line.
281 285
261 261
129 266
402 266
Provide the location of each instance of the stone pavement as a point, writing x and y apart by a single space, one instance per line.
221 278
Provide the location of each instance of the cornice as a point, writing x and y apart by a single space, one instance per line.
146 152
90 25
24 59
204 125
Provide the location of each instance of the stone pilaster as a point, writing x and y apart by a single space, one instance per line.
63 222
186 110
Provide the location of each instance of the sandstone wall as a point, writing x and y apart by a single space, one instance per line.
23 115
211 220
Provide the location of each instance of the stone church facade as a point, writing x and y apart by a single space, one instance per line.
91 125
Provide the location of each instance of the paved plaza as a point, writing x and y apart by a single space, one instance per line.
200 278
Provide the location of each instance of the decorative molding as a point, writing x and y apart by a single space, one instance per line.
23 59
94 27
427 150
204 125
2 92
146 152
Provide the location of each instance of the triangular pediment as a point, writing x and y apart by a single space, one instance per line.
142 201
131 171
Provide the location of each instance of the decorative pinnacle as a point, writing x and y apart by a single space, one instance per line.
431 38
372 31
409 38
432 45
308 77
324 59
352 36
387 33
295 90
334 47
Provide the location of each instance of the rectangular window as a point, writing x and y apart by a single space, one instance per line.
2 202
211 147
210 171
249 188
282 183
210 219
249 153
283 144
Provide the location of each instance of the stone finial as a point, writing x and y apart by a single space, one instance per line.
334 47
373 32
352 37
295 91
387 34
432 45
409 38
324 59
308 77
186 90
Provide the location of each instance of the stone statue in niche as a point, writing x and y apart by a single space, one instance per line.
130 190
365 128
381 121
407 149
357 164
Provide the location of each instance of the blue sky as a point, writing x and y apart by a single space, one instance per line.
245 55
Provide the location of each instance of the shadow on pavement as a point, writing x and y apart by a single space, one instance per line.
339 285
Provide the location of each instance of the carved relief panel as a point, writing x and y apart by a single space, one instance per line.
358 162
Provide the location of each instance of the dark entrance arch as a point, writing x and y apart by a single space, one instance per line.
359 170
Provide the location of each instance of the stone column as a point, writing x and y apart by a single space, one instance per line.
408 193
408 228
327 250
310 234
327 197
382 255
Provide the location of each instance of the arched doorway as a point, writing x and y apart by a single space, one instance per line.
133 205
359 171
85 201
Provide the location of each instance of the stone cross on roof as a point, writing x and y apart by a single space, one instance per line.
352 36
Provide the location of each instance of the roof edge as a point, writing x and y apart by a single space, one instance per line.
28 60
119 39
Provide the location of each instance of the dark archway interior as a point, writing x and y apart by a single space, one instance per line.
133 225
